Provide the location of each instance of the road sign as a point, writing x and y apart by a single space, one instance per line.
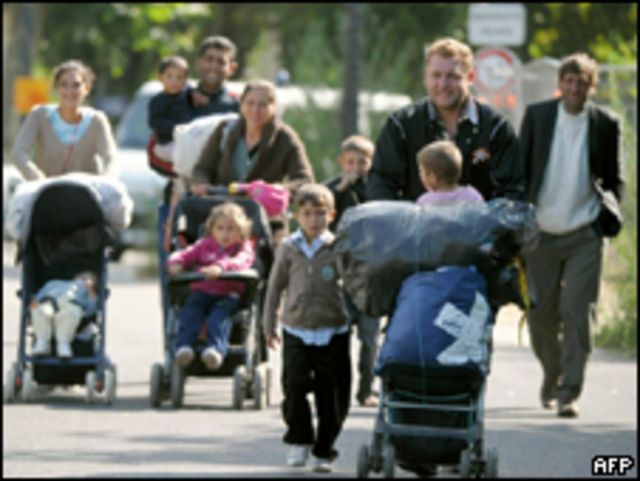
495 69
497 81
497 24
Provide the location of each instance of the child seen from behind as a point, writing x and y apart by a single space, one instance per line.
440 166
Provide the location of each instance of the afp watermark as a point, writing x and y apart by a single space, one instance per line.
611 465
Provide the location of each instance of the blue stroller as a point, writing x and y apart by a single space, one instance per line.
433 366
246 360
67 235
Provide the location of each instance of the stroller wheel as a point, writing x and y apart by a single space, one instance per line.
90 383
464 466
269 380
260 387
155 385
110 385
389 461
362 466
10 388
177 385
239 380
28 385
491 464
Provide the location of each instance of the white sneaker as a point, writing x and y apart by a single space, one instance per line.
42 348
297 455
211 358
64 350
184 355
322 465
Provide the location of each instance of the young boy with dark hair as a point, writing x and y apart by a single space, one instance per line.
348 188
315 332
170 107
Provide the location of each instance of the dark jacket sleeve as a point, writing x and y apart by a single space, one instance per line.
613 167
162 126
389 167
526 150
507 171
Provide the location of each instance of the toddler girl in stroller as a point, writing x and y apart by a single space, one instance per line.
226 248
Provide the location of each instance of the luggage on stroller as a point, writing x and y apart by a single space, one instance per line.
64 231
433 365
246 360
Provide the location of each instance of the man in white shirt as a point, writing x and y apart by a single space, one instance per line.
572 159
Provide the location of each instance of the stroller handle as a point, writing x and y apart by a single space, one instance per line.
224 190
245 275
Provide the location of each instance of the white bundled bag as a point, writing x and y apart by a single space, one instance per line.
111 194
191 138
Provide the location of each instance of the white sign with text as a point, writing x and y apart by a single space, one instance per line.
497 24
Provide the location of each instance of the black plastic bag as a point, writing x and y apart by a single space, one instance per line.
381 243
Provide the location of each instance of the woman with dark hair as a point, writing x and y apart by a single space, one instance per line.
255 146
66 137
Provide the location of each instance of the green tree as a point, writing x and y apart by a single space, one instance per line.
607 31
123 42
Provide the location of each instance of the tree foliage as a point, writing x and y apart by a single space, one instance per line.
124 41
607 31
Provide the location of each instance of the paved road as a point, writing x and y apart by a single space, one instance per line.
58 435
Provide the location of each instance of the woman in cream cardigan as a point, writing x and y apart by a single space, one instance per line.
67 137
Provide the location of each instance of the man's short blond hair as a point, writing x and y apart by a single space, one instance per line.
449 47
359 143
444 159
580 63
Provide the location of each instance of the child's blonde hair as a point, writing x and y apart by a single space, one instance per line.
359 143
444 159
233 212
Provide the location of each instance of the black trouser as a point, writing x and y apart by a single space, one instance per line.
325 371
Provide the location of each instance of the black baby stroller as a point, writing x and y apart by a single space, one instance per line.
67 234
246 359
426 419
433 366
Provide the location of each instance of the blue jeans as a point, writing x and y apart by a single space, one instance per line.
216 311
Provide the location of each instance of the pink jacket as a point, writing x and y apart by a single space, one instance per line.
206 252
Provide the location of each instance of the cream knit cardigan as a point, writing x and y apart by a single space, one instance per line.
95 152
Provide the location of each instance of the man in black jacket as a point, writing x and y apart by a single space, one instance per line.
572 157
488 143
